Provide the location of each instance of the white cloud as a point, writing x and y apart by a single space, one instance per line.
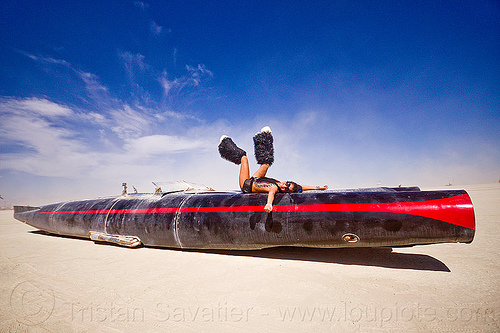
155 28
196 73
92 82
128 122
165 83
194 77
95 118
50 149
142 5
95 92
46 60
169 115
40 106
138 71
163 144
134 64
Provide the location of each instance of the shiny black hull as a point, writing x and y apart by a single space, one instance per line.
386 217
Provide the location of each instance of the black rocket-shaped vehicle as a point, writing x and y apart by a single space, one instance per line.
200 219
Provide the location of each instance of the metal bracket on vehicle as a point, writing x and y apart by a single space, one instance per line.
128 241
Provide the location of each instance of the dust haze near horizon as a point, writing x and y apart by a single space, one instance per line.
357 94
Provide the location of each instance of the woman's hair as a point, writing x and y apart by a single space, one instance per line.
296 187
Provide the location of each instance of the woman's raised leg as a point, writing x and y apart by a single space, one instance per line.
262 171
244 170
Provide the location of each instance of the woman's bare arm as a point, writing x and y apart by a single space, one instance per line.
274 189
309 188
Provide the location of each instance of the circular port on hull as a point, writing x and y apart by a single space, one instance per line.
350 238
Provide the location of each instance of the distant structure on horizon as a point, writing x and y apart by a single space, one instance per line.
6 206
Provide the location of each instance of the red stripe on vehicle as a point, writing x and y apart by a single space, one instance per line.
456 210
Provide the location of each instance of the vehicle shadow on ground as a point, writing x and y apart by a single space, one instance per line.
381 257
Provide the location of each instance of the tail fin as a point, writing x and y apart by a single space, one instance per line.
22 209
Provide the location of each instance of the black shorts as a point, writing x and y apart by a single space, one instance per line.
247 185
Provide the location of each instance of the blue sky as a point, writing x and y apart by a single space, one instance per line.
358 93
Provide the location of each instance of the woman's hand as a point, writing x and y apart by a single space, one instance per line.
270 198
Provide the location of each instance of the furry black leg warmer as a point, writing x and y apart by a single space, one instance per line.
263 146
230 151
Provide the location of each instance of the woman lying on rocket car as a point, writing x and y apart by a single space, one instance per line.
259 183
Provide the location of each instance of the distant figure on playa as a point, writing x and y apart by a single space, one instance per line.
264 153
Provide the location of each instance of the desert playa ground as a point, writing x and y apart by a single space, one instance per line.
59 284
